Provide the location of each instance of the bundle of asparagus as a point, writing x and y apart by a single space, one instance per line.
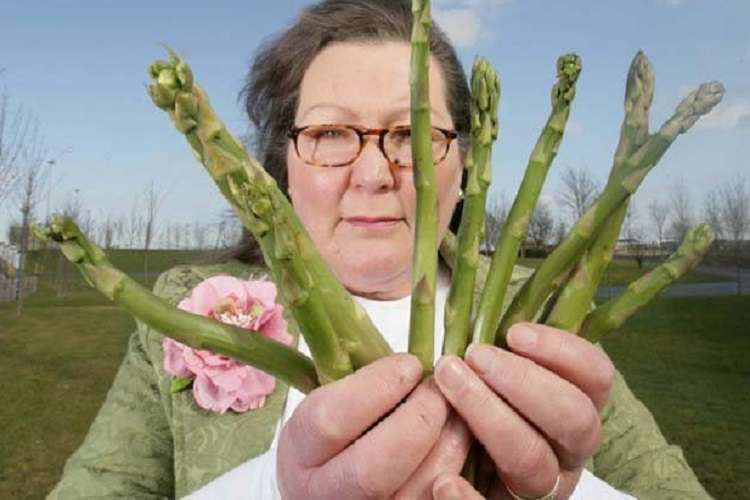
341 336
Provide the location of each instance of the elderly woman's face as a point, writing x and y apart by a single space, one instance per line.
361 216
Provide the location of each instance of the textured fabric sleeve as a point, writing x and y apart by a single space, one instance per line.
635 457
128 450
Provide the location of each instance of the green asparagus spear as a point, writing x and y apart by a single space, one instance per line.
424 262
485 96
614 313
514 230
322 307
543 282
196 331
577 294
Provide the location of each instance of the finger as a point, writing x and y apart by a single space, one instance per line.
557 408
524 459
333 416
446 456
582 363
454 487
377 464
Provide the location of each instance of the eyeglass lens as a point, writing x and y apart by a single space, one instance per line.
331 145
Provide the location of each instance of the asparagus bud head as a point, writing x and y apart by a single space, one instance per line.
639 90
568 69
698 103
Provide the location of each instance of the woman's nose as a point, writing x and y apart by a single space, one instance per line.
372 170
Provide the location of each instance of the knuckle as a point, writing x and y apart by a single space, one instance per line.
583 432
369 486
318 420
605 376
531 461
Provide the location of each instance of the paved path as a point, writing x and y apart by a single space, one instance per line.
685 290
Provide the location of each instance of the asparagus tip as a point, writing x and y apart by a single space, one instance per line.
640 82
699 102
568 69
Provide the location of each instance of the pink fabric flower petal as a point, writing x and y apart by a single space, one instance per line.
193 361
174 364
226 286
261 291
220 382
209 396
256 386
201 300
228 378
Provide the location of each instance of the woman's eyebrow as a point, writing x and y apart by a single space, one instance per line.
328 105
406 111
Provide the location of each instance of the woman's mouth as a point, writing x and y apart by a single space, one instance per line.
370 222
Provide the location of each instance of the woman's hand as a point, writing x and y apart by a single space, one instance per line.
535 409
358 437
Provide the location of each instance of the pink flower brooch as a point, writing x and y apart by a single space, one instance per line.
219 382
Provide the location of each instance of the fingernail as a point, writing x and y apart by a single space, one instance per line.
522 337
480 357
409 366
449 374
445 488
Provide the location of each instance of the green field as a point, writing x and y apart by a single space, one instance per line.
685 357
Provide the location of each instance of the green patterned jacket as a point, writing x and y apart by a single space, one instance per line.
149 443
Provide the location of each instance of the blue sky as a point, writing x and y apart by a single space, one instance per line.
80 67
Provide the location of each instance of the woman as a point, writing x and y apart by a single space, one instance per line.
542 411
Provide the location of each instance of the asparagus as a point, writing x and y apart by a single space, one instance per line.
319 303
514 230
485 96
424 262
246 346
544 281
576 296
614 313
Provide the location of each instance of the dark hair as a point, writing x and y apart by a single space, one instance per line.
271 91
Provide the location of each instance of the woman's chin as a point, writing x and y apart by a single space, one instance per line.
378 274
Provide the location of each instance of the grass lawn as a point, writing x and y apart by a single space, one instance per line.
57 363
625 271
686 358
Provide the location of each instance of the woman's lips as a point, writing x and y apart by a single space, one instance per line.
373 222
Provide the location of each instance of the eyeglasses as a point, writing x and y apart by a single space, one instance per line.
341 145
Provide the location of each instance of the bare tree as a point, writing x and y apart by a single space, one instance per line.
18 131
34 166
680 211
71 207
712 213
658 212
561 230
153 198
541 225
633 231
577 192
199 235
494 219
108 231
736 217
177 234
134 224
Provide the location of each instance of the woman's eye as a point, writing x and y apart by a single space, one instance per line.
329 133
402 134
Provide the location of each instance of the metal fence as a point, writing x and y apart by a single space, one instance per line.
8 287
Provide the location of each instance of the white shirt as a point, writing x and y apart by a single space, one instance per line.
256 478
